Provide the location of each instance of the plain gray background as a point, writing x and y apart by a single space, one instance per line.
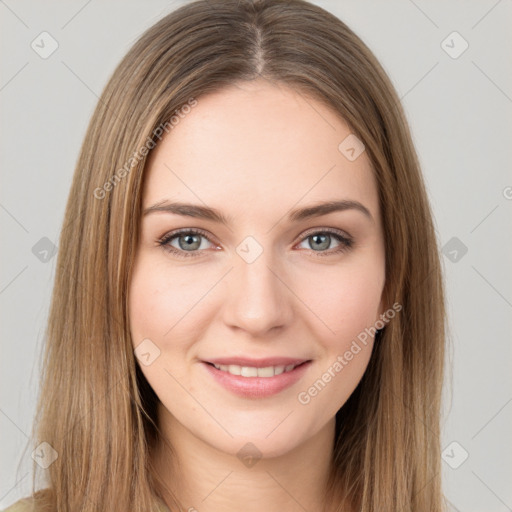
459 106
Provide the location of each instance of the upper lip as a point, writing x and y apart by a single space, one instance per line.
257 363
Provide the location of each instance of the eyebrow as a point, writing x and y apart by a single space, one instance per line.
205 212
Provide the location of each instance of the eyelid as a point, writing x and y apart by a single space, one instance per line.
174 233
345 239
336 231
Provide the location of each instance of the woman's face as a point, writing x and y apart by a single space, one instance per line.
258 281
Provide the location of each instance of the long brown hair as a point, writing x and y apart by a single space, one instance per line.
95 409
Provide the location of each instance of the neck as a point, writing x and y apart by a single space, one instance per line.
205 479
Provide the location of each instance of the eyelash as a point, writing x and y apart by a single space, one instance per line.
346 243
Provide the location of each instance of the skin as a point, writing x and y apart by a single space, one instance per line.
254 151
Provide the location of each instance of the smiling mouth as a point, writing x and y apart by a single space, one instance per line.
252 371
257 378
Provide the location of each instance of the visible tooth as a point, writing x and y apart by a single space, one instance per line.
278 370
234 369
247 371
250 371
268 371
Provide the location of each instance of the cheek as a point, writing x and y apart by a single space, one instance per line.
163 308
350 308
345 300
151 310
348 304
162 301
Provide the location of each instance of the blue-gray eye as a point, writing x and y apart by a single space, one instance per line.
320 241
190 242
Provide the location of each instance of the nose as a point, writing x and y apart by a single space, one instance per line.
257 297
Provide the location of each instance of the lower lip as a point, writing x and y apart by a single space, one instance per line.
257 387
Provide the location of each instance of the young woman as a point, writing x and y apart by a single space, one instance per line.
248 311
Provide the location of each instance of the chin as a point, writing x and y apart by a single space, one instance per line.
256 439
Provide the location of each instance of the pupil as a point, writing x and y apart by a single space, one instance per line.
325 243
190 241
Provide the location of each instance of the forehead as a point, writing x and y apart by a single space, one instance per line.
258 144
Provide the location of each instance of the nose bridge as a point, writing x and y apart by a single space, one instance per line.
258 300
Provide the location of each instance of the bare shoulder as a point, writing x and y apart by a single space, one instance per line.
28 505
23 505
